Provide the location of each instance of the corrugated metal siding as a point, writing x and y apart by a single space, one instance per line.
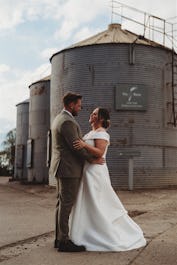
39 124
95 71
22 125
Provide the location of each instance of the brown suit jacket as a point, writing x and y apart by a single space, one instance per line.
66 162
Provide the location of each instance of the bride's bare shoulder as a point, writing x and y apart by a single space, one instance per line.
101 129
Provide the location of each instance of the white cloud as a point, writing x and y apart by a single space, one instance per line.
7 126
154 12
75 19
11 14
85 33
39 73
160 8
65 31
77 14
4 68
47 53
72 13
16 89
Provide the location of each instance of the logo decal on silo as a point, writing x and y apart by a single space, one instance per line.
130 97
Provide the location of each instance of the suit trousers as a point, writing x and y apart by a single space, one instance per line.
67 190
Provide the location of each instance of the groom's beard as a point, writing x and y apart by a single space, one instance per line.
74 113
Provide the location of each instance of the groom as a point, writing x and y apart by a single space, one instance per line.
66 166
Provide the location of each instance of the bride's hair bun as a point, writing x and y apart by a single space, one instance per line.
103 114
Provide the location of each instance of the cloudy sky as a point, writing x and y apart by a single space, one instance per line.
32 30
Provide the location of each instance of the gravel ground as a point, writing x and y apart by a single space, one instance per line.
27 225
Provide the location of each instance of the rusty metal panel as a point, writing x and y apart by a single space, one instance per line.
95 71
39 124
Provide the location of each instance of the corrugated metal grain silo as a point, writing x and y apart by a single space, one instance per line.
134 78
22 124
39 125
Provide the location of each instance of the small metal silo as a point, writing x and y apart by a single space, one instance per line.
39 125
22 124
134 78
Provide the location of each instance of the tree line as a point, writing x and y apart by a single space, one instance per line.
7 154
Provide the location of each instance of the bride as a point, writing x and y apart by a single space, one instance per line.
98 220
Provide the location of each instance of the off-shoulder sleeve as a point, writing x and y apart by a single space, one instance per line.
101 135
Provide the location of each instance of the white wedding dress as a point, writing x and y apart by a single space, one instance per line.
98 220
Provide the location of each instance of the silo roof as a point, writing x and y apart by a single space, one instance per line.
115 34
46 78
23 102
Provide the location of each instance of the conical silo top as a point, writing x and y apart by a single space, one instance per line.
46 78
115 34
114 26
23 102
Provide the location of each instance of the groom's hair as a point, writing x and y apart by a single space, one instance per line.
71 97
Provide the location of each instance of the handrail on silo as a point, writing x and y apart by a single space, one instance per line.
157 27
